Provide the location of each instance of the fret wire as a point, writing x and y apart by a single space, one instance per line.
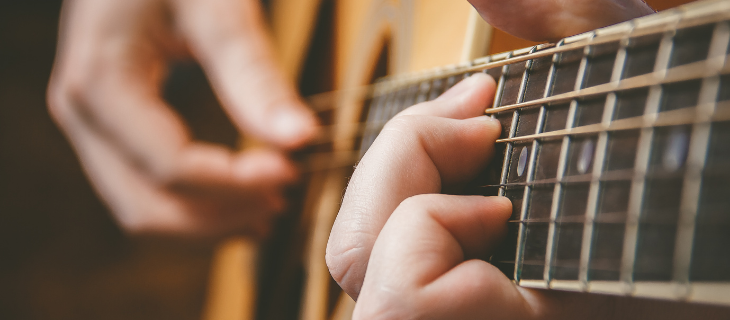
533 153
500 85
377 115
525 76
664 119
394 104
513 128
618 175
599 163
685 116
686 72
583 63
638 184
423 91
697 157
557 194
319 101
413 94
603 37
620 63
506 161
557 188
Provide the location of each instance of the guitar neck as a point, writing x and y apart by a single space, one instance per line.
615 152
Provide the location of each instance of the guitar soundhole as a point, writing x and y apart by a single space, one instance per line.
566 71
622 147
548 155
600 64
580 157
641 55
657 230
556 117
590 111
512 83
631 103
527 121
680 95
691 45
537 78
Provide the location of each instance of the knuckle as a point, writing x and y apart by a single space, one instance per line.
60 100
417 204
404 121
339 264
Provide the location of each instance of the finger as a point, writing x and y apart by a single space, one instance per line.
418 263
141 207
112 81
230 40
540 20
414 154
468 98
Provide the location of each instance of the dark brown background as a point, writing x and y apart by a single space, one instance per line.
61 255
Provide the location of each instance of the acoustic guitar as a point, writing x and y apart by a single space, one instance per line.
614 151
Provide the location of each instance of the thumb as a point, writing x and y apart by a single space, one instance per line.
230 40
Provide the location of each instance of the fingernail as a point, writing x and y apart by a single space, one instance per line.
487 118
460 88
490 121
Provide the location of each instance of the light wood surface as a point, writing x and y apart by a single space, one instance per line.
232 284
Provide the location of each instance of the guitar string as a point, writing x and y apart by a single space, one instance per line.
693 71
325 101
685 116
678 117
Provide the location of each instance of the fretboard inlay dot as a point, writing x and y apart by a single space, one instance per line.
522 163
586 157
676 150
580 155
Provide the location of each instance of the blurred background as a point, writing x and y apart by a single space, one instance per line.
61 254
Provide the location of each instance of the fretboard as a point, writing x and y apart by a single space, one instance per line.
615 152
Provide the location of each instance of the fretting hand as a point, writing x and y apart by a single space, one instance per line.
428 260
359 223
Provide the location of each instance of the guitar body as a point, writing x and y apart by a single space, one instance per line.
354 43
